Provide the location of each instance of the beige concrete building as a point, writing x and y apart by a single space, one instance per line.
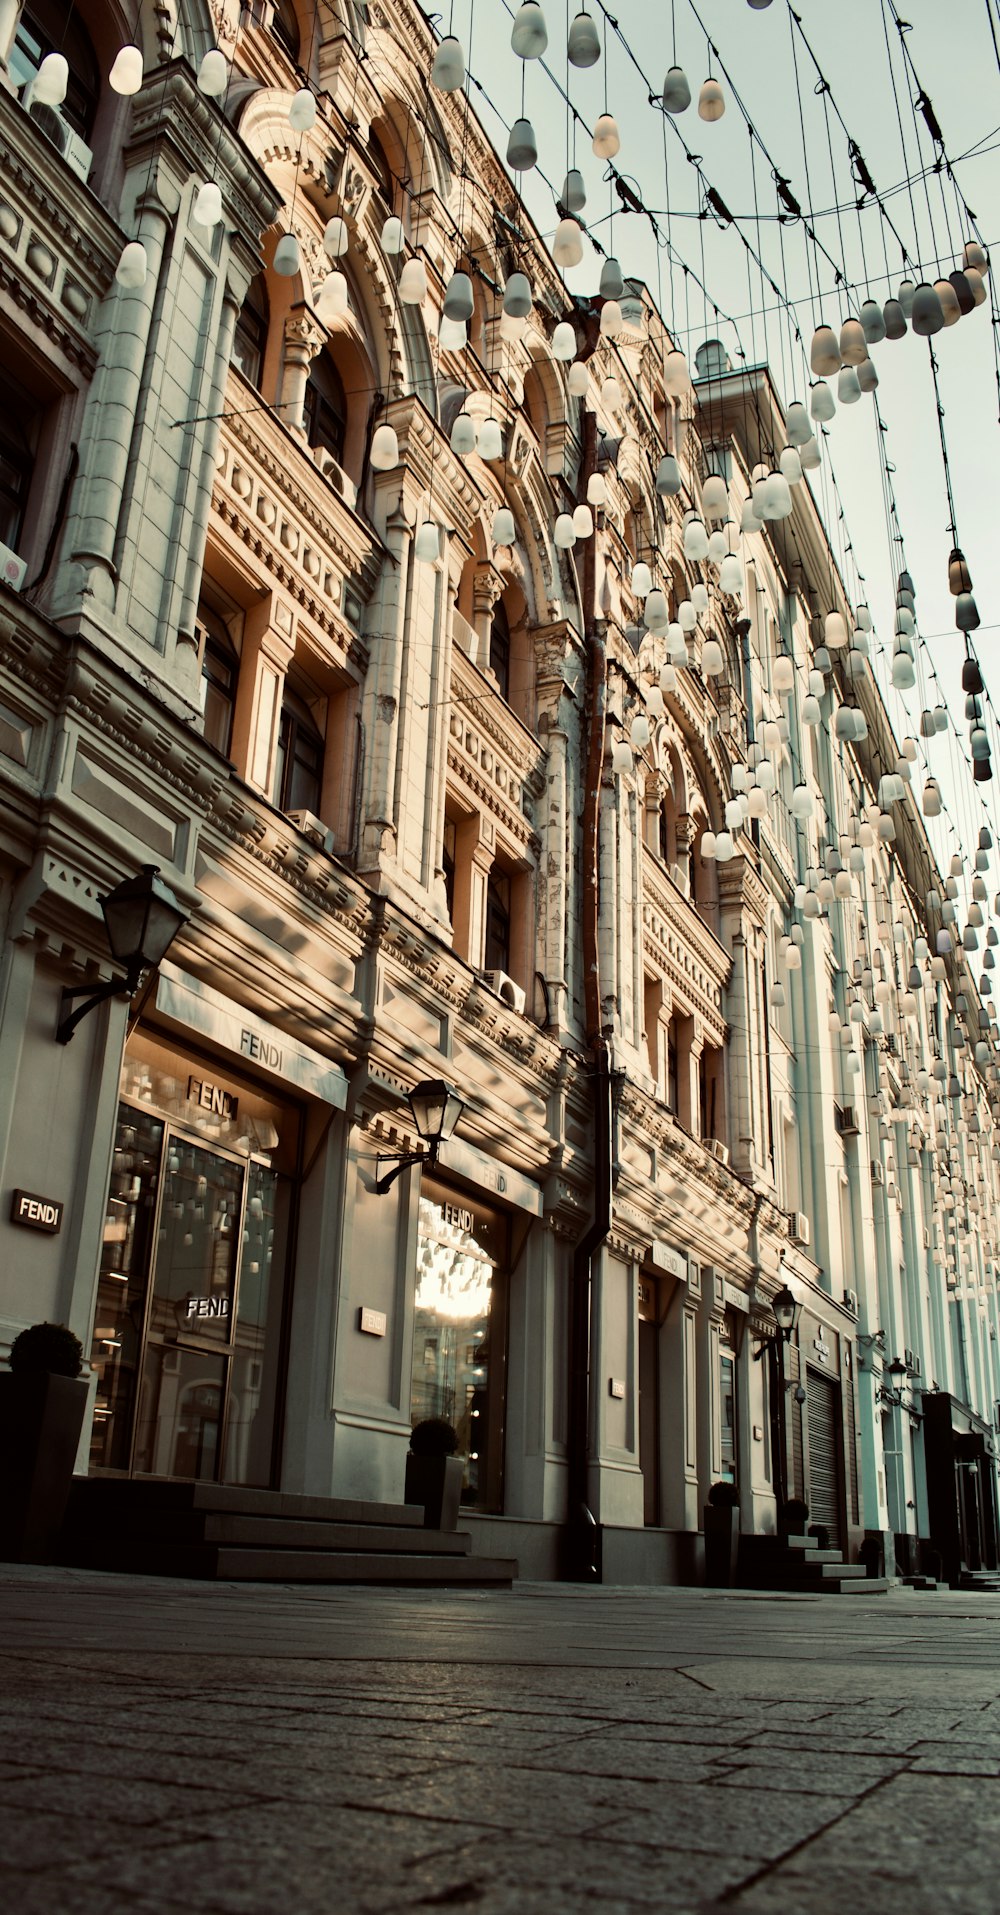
397 797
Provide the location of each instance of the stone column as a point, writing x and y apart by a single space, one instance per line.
475 850
690 1044
487 590
302 341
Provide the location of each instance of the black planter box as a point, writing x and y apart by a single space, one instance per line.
41 1417
436 1482
722 1541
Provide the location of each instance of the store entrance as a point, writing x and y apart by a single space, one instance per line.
188 1331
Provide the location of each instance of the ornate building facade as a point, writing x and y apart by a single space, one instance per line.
461 816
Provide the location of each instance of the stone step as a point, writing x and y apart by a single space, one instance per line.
225 1563
121 1492
153 1524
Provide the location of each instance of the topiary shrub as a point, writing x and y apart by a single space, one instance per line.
48 1348
724 1496
435 1436
820 1535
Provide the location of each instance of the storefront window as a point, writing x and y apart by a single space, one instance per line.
188 1330
727 1413
459 1340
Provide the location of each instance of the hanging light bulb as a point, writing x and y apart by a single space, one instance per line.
583 522
867 375
821 402
966 613
583 47
517 296
529 35
642 579
336 237
974 255
903 674
824 352
213 75
731 576
302 111
790 466
448 71
668 679
463 435
597 490
287 257
639 732
132 266
676 91
607 139
567 243
522 147
848 386
578 380
574 193
668 477
412 283
621 757
453 335
777 497
872 322
687 617
699 598
715 497
656 611
207 208
393 238
490 443
797 427
384 453
717 546
959 577
810 713
563 531
712 662
564 341
853 344
895 320
963 292
676 374
427 544
331 300
126 74
612 282
749 522
711 100
926 316
783 674
458 299
611 393
503 529
976 285
948 301
695 540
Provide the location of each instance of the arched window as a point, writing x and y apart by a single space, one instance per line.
298 769
47 27
326 407
250 337
18 432
497 945
379 162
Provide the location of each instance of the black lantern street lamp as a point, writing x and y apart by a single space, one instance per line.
787 1311
142 918
436 1109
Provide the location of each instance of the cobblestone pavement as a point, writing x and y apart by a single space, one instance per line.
182 1746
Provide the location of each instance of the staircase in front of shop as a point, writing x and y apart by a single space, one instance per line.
797 1563
985 1581
210 1532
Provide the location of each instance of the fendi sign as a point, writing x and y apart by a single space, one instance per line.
36 1213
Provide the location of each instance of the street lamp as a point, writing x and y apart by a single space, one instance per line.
142 918
787 1311
436 1109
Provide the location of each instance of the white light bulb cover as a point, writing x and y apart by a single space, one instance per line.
332 300
790 466
583 522
621 757
853 344
687 617
458 301
867 375
611 319
797 427
872 322
384 453
822 404
715 497
490 442
213 74
699 598
824 353
676 374
563 532
834 631
717 546
597 491
529 35
607 139
713 663
668 477
393 239
412 283
711 101
463 435
783 674
676 91
453 335
611 393
731 576
287 257
848 386
207 207
695 540
427 544
132 266
639 732
583 46
522 147
302 111
612 280
574 192
126 74
578 380
564 341
448 71
517 299
567 243
503 529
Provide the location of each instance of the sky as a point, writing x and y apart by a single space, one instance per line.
956 62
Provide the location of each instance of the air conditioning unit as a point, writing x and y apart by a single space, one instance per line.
878 1172
800 1228
851 1302
845 1118
12 568
56 128
717 1149
312 828
512 994
912 1362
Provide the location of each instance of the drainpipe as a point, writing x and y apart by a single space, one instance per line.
580 1554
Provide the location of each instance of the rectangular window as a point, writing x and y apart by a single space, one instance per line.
461 1332
727 1415
497 956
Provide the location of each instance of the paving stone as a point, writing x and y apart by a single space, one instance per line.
757 1821
804 1771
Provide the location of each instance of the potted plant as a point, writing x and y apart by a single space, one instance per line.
434 1473
42 1402
796 1515
722 1535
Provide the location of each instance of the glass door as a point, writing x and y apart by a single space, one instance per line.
188 1332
